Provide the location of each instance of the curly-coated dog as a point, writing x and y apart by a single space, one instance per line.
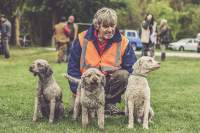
90 96
48 100
137 95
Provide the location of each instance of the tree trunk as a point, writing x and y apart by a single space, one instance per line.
17 29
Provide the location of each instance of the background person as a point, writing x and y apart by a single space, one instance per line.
71 30
61 39
164 37
148 35
5 35
1 45
103 47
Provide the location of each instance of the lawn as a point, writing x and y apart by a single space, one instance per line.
175 97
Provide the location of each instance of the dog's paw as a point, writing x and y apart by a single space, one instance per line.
50 121
34 119
101 127
145 127
130 126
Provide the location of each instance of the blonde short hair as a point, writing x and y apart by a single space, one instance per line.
105 16
163 22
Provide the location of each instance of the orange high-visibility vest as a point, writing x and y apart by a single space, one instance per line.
110 60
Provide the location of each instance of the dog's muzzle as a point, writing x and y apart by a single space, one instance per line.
94 79
31 69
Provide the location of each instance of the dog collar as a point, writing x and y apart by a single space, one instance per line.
139 75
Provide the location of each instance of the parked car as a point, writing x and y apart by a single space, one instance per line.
133 38
184 44
198 36
198 47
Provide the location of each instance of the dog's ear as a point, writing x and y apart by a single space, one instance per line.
103 80
83 82
49 71
137 66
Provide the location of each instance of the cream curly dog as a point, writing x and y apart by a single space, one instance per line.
90 96
48 100
137 95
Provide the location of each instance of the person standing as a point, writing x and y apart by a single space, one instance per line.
198 47
61 39
103 47
71 30
1 45
148 35
5 35
164 37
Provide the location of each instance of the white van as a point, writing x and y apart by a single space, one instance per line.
198 36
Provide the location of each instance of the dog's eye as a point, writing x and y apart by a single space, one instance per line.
39 65
88 75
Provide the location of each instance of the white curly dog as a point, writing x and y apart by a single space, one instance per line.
137 95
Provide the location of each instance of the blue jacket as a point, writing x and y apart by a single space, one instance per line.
128 60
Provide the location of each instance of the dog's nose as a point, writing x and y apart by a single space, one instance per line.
94 78
31 67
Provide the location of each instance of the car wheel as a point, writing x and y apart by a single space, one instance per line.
181 48
134 47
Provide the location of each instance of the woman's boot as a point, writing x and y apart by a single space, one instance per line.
163 56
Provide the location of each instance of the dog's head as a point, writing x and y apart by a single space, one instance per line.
93 78
41 68
144 65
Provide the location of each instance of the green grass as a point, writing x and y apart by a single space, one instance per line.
175 97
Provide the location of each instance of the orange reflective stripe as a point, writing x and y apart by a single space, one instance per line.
118 54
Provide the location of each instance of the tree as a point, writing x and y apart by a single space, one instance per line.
189 21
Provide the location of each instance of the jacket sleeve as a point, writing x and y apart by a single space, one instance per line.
9 30
145 24
128 59
74 64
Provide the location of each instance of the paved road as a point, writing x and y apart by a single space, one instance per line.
169 53
177 54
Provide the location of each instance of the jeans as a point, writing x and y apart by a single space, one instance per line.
6 48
